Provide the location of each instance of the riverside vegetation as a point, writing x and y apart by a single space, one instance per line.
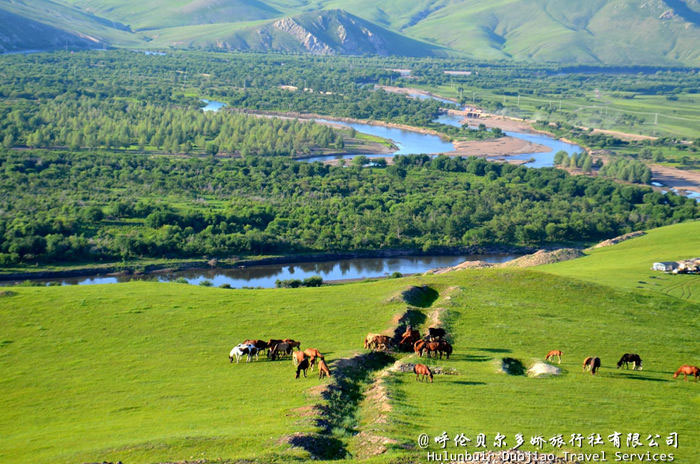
73 207
86 194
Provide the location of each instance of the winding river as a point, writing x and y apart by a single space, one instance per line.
265 275
408 142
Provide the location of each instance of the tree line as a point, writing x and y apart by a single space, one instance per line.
111 123
62 207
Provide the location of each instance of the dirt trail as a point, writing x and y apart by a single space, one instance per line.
357 385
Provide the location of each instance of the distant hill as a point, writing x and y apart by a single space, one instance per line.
327 32
18 33
621 32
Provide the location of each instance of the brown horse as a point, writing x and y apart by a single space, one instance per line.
303 365
297 357
379 342
444 348
592 364
293 343
323 369
259 344
418 347
313 353
409 337
552 354
687 370
424 371
430 347
369 339
271 344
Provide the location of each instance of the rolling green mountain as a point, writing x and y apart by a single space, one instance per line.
18 33
652 32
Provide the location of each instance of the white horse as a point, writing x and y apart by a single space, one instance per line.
239 351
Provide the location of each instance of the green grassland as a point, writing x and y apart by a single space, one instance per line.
628 264
138 372
522 315
653 115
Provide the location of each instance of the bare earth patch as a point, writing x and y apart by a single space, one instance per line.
491 148
676 178
618 239
536 259
544 257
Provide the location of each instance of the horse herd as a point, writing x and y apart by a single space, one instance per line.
592 364
434 343
277 349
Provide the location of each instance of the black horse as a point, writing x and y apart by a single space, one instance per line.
592 364
436 333
630 358
302 367
280 350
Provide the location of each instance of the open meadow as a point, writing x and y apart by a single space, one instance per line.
139 372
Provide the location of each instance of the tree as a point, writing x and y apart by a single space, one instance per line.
588 165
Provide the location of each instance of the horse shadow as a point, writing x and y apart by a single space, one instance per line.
621 375
465 382
490 350
474 358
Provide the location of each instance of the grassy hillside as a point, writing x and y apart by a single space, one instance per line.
628 264
98 31
20 33
138 372
523 315
662 32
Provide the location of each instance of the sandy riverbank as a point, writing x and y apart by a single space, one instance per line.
502 122
491 148
676 178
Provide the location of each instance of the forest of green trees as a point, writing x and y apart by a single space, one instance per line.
110 123
83 180
73 207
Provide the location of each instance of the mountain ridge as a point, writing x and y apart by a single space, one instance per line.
622 32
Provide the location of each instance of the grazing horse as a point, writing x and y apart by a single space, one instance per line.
418 346
293 343
313 353
424 371
303 365
436 333
259 344
378 342
687 370
279 350
552 354
323 369
430 347
630 358
297 357
592 364
368 340
271 344
239 351
444 348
